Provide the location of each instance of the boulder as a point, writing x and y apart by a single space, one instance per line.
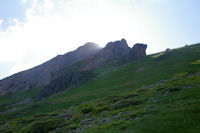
165 54
138 50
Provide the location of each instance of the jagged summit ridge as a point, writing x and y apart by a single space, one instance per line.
118 48
121 43
59 71
137 51
110 51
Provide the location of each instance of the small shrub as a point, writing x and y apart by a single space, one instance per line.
42 126
86 110
100 109
126 103
72 126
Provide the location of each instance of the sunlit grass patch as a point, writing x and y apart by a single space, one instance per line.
157 55
181 74
196 62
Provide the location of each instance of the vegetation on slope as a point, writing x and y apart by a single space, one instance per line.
168 106
147 95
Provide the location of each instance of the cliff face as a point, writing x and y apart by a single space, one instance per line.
112 50
136 52
64 71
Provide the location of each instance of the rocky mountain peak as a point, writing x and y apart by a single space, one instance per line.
59 69
88 46
112 50
117 44
117 48
137 51
140 46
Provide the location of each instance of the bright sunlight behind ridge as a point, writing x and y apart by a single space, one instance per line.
33 31
99 66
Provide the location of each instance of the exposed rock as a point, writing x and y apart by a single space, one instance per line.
104 120
139 69
136 52
166 93
186 87
71 69
170 90
165 54
118 115
42 75
117 48
112 50
174 89
24 101
86 121
65 80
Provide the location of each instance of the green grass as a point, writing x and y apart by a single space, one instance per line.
16 97
125 78
196 62
140 110
163 97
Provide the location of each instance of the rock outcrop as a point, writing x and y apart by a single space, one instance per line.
63 81
111 51
136 52
164 54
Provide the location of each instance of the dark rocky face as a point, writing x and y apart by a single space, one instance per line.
139 50
112 50
63 81
117 48
136 52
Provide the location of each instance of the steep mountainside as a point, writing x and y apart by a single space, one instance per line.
158 93
42 75
83 71
71 69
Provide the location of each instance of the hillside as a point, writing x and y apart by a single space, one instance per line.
158 93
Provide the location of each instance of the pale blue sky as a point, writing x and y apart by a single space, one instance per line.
33 31
11 9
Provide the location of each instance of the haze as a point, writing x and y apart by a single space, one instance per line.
34 31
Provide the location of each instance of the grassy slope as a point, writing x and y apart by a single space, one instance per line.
174 112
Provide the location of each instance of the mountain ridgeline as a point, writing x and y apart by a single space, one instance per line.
106 90
71 69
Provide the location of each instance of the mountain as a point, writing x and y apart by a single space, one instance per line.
71 69
42 75
127 92
113 50
83 71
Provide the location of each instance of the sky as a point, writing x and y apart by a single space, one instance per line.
34 31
